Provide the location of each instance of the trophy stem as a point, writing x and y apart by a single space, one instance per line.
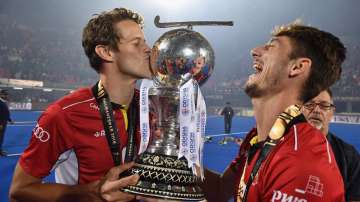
162 173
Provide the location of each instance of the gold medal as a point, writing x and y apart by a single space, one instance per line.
279 127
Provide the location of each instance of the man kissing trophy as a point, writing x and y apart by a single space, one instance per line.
173 115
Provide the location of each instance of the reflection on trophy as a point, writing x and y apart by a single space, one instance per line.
173 116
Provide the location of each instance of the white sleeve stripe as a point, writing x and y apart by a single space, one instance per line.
67 168
78 103
328 150
296 138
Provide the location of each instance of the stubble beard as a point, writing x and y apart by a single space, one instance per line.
319 126
252 90
316 124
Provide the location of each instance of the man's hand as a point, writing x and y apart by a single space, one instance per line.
25 187
110 185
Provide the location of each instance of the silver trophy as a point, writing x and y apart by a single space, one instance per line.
182 54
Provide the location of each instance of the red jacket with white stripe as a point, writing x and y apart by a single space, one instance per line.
69 136
300 168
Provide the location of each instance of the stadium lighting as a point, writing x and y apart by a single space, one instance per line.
47 90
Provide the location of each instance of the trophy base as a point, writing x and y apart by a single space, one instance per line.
165 177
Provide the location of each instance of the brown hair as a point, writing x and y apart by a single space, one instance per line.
325 50
100 31
329 91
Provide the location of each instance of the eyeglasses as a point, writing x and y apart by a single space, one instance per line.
326 106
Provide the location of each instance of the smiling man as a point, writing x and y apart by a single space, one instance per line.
284 158
319 112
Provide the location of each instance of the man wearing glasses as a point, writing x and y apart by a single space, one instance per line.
319 112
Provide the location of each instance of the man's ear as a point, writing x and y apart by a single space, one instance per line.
104 52
300 66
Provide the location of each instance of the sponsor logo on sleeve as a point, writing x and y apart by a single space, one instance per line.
313 187
99 133
282 196
41 134
94 106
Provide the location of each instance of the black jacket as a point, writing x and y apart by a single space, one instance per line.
348 161
4 113
227 112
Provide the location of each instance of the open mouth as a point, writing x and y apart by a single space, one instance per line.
316 119
257 67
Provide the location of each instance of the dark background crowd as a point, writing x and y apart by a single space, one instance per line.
50 51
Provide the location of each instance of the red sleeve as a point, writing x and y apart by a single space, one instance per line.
47 143
307 173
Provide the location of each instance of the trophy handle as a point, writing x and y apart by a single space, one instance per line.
190 24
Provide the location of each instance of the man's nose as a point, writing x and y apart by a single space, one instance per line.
317 109
256 52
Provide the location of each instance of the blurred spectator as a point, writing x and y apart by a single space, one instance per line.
228 114
4 118
42 54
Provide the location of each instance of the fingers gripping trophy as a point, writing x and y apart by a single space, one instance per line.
173 115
